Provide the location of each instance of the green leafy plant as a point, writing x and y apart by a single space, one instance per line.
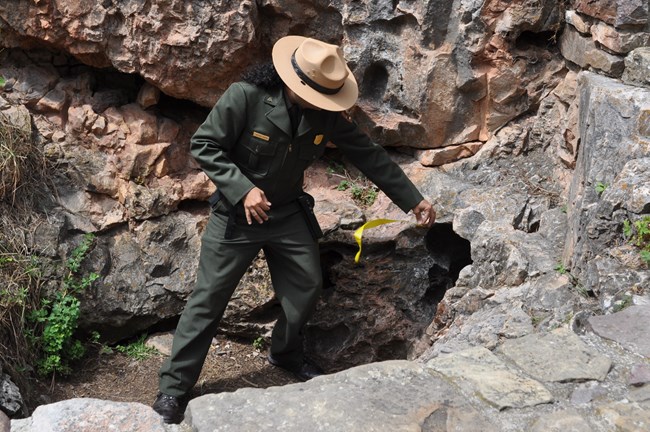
560 268
363 192
138 349
600 187
59 314
637 233
344 185
335 168
365 195
2 81
537 319
259 343
627 229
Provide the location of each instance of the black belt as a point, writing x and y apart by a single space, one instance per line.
304 204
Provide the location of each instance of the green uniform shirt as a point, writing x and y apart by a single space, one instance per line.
247 141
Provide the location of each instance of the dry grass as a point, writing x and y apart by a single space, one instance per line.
22 169
22 163
19 294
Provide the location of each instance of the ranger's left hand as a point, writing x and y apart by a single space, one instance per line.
425 215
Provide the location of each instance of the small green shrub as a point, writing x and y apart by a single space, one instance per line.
344 185
600 187
335 168
637 233
58 316
259 343
362 192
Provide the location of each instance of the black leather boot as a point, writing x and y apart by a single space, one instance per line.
303 371
170 408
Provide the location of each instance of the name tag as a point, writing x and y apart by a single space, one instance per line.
261 136
318 139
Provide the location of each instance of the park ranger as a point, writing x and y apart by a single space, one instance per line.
255 145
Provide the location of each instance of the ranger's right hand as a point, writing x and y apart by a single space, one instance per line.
256 205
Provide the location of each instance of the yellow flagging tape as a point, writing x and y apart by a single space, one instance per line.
370 224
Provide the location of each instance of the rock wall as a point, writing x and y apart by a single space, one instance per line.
544 127
122 139
442 81
571 259
431 74
615 154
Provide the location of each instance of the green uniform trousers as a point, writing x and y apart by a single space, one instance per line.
294 263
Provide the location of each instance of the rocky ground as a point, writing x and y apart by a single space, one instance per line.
582 376
111 375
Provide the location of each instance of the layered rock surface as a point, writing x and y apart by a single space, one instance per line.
470 66
467 390
516 343
477 78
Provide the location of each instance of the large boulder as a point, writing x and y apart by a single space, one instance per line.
609 186
183 48
619 13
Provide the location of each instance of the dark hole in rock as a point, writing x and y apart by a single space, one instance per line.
393 350
193 206
181 110
450 253
379 310
541 39
375 81
328 259
160 270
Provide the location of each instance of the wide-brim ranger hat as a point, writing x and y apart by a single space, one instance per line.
316 71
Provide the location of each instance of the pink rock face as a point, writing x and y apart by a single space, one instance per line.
430 75
437 157
187 49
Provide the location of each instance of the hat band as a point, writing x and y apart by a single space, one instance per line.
311 83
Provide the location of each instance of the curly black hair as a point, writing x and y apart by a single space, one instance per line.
262 75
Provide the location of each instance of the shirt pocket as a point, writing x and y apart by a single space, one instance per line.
256 155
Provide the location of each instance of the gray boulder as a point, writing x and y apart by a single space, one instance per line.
394 395
11 401
637 67
611 177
